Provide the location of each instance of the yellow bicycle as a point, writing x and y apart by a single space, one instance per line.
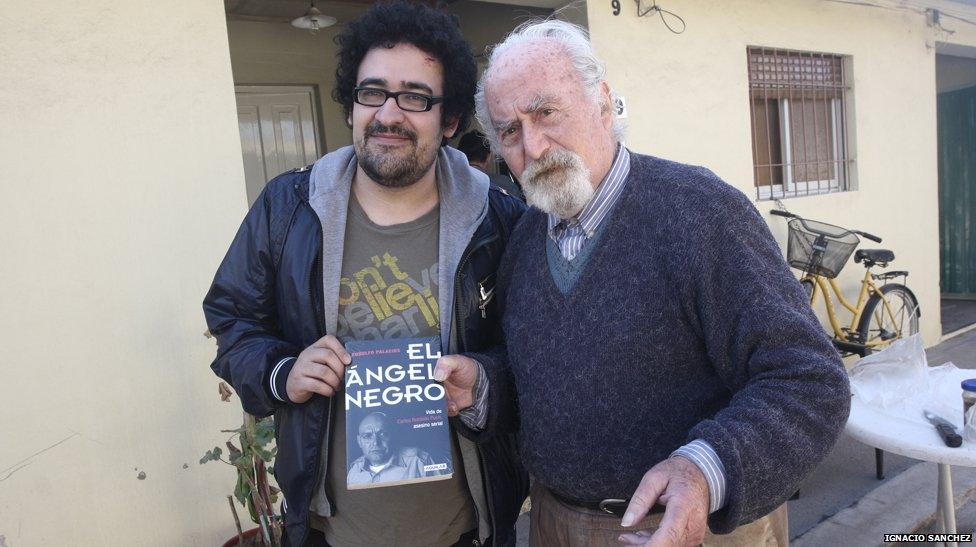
881 314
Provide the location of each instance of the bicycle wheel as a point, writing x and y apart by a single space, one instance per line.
883 325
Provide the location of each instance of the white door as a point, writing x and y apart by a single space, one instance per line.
279 131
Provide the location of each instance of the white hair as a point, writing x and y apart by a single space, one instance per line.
575 42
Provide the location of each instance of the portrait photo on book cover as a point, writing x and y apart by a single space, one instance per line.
384 455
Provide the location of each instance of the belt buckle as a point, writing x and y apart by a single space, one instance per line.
614 506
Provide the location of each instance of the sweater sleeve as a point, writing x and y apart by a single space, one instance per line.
790 391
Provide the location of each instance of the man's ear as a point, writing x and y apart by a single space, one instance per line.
606 105
349 120
450 128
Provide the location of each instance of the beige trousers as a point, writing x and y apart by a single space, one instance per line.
555 524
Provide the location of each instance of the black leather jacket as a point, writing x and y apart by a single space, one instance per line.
266 304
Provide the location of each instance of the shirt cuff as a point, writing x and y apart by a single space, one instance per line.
278 378
703 455
476 415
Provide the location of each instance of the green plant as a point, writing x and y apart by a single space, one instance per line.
252 457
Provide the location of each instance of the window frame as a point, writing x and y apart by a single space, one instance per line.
840 130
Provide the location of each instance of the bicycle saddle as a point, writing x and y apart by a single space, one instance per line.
874 255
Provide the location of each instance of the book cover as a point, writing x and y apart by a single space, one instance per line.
396 414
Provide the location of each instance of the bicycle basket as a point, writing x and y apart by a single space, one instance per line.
836 246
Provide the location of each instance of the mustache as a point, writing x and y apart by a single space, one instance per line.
554 160
376 128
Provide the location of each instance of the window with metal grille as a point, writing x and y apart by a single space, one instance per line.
798 103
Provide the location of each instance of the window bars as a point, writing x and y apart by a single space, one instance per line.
798 105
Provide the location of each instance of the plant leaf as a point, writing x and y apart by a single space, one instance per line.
233 451
263 453
243 490
211 455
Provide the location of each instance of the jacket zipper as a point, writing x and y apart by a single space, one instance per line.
482 303
488 495
485 299
315 282
459 325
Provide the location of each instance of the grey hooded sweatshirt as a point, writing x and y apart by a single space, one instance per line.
463 196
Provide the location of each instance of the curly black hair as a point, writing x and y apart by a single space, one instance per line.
431 31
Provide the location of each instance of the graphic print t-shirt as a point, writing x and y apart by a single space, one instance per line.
388 290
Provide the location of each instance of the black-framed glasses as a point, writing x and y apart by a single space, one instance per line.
406 100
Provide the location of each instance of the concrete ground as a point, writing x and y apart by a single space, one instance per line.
842 502
965 524
957 314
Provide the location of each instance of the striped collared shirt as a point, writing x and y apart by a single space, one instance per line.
571 234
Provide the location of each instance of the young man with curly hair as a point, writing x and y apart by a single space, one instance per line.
392 237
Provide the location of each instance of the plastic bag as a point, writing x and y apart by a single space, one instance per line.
892 375
899 380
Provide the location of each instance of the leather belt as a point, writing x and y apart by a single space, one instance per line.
615 507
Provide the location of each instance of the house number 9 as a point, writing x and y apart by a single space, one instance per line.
615 4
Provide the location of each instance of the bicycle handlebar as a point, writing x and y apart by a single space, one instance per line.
873 238
787 214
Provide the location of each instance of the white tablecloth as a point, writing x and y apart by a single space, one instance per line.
893 430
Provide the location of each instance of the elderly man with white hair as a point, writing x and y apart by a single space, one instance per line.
659 351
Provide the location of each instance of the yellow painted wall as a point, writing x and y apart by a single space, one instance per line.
687 97
122 185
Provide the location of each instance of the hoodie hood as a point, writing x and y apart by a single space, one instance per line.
463 198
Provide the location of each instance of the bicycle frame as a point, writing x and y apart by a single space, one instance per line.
822 284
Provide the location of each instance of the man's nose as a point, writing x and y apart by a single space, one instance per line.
389 113
535 142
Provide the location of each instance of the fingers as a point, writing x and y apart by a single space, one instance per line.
673 529
319 369
635 538
649 489
445 367
301 386
459 374
327 357
325 374
457 369
332 343
675 482
312 384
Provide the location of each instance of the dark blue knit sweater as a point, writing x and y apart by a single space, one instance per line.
685 323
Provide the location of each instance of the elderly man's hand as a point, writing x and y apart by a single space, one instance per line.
459 374
680 485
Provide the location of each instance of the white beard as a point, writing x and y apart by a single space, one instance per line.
558 183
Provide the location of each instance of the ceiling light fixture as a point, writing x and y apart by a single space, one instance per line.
313 20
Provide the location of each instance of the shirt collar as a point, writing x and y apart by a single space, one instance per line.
603 199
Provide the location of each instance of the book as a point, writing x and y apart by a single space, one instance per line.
397 430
